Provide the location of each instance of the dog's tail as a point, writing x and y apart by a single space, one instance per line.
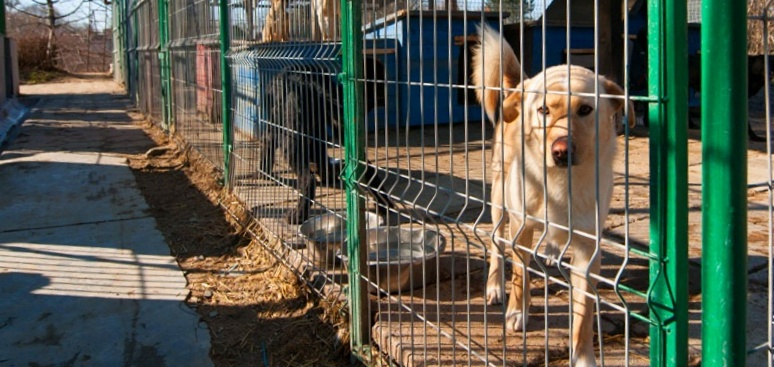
489 76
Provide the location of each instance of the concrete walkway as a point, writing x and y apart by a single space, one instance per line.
86 279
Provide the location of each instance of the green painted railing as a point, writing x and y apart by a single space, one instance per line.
225 76
166 79
354 142
724 171
724 182
2 17
668 293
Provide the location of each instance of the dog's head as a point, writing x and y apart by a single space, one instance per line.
560 113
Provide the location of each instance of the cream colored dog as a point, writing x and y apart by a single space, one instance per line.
547 138
327 17
275 28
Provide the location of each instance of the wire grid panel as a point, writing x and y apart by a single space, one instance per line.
120 46
130 42
760 332
196 76
286 121
148 66
431 142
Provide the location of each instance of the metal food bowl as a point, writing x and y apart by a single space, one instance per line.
325 233
401 259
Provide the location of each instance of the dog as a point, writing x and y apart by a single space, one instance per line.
540 135
327 18
275 27
305 106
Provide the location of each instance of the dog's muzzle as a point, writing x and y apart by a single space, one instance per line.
563 152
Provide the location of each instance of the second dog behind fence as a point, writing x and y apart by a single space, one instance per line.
306 112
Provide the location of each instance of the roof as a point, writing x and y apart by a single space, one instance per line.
583 9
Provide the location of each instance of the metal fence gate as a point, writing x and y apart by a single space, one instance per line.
355 134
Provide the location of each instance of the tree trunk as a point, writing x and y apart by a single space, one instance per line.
51 46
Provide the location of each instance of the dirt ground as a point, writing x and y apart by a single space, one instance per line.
258 311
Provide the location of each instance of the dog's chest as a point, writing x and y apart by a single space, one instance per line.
552 193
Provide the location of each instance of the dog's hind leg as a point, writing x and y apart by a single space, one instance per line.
583 304
517 315
307 185
267 146
494 283
374 182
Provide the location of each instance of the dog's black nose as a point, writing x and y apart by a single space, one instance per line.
562 151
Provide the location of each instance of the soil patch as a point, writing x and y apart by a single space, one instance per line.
258 311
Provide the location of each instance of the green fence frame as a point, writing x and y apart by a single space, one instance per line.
225 75
724 176
354 146
724 183
166 80
668 293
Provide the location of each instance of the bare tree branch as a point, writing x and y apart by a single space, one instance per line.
20 10
77 8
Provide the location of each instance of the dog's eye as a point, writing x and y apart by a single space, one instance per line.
543 110
585 110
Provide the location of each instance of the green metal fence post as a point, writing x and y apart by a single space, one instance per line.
668 294
2 17
724 182
354 142
135 67
166 79
225 77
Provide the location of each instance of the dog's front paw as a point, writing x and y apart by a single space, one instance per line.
295 216
552 252
516 320
584 360
494 293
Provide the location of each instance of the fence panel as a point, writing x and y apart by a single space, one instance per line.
432 141
355 134
196 90
760 223
131 70
286 130
146 14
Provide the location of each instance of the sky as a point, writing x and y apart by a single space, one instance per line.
67 6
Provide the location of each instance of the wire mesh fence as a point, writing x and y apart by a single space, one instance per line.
194 51
760 199
148 74
441 168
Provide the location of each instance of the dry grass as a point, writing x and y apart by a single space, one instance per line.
258 311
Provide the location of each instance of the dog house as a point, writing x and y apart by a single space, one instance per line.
543 49
411 77
245 102
252 72
256 66
579 48
423 56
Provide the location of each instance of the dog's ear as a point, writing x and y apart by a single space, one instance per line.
618 104
512 107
